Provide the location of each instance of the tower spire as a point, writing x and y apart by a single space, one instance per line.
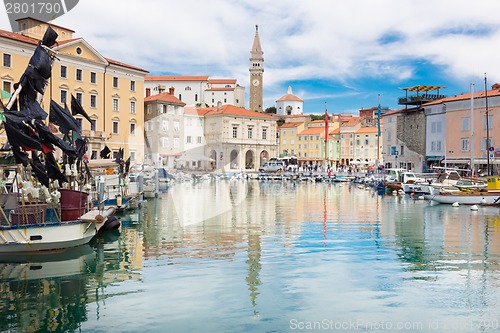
256 73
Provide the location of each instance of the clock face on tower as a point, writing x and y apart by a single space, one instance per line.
256 82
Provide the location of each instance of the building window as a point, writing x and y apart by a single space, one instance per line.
465 124
148 109
93 77
367 142
199 139
7 60
93 124
64 96
176 126
79 74
188 139
93 155
115 82
250 132
196 97
64 72
165 125
176 142
132 85
132 106
235 132
79 98
115 127
264 134
164 142
7 86
132 156
115 104
132 128
93 101
465 144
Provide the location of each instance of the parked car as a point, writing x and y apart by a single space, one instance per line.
273 166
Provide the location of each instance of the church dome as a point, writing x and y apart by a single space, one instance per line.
289 97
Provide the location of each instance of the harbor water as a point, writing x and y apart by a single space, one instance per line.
249 256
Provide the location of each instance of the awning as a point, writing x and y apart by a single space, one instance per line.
188 158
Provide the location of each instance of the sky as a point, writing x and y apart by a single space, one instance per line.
338 54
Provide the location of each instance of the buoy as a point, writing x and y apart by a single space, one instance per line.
474 208
455 204
421 197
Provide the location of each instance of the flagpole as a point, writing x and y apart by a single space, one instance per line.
378 133
326 137
487 127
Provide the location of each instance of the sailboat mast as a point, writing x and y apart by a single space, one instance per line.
488 171
472 129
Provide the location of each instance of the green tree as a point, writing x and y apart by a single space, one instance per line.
271 109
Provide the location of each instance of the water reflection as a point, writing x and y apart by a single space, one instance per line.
249 256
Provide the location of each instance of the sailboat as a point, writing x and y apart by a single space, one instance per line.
42 207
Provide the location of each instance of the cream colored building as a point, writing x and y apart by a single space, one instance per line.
198 91
111 92
164 129
238 139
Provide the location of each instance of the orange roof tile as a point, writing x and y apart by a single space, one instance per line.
18 37
367 130
222 81
176 78
478 94
121 64
289 97
335 131
229 109
313 130
290 125
164 97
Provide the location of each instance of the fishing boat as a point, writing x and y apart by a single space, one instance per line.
491 196
41 207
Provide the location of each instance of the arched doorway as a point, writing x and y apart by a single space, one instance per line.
249 160
264 157
234 159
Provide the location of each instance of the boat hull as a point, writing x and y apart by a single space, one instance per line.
464 199
32 238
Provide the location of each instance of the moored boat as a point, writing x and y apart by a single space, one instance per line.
491 196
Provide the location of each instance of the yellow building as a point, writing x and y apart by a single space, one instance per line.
111 92
288 138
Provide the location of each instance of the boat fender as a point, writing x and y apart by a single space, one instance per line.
455 204
112 223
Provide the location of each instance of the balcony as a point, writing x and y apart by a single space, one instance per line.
422 95
94 135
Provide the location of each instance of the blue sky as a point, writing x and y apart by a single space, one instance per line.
343 53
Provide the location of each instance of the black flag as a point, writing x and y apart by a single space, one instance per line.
105 152
39 169
61 117
76 108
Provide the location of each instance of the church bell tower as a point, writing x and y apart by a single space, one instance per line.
256 73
